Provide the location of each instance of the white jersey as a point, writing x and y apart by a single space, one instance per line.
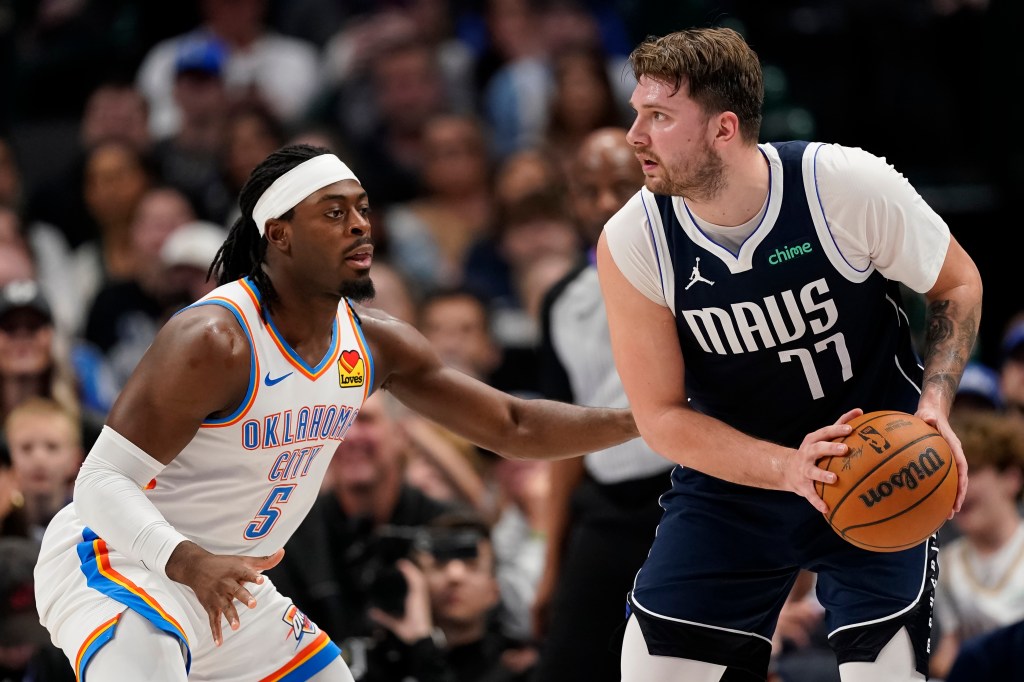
581 345
240 487
977 594
246 481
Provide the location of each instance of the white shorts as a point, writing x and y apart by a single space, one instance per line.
83 586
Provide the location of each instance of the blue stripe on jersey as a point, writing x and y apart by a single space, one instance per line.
787 346
97 643
253 378
295 357
315 664
102 578
362 338
298 358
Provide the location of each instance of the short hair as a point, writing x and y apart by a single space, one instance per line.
451 293
717 65
37 406
990 439
544 204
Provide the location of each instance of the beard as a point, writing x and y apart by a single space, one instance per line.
699 179
359 289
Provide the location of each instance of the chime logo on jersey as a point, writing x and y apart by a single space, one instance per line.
300 624
351 371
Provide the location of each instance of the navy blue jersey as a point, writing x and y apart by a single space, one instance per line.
787 345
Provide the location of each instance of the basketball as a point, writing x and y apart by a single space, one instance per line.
895 485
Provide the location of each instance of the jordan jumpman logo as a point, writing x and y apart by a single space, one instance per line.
696 277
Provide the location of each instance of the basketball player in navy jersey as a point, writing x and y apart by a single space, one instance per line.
218 444
745 372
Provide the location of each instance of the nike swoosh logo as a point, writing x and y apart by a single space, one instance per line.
270 382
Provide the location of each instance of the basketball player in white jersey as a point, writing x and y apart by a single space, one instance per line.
216 448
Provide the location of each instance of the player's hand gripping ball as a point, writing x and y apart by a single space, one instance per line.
896 483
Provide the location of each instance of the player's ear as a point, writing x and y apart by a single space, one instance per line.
724 127
278 233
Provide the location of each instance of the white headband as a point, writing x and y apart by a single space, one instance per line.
297 184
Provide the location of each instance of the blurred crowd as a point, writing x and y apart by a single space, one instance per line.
132 129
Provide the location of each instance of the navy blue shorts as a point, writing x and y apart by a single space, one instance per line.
726 556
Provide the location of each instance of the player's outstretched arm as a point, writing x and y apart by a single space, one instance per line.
645 345
408 367
197 367
954 314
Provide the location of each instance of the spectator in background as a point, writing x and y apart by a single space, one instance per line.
280 71
603 508
513 75
392 292
528 233
446 631
430 235
520 539
457 324
57 210
186 256
407 90
45 445
445 467
115 179
116 110
190 159
982 574
126 313
524 173
336 562
30 364
978 389
251 133
349 53
582 102
26 654
1011 372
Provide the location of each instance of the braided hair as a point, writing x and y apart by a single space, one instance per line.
244 250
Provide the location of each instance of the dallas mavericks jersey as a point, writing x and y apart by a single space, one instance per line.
784 337
247 480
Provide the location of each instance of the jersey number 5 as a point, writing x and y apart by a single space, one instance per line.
268 513
807 361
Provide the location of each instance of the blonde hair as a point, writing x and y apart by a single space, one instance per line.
45 407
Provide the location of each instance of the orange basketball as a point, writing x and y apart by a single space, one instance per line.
896 483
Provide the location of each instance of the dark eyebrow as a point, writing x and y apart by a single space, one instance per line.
342 197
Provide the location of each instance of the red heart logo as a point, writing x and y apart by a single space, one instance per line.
349 360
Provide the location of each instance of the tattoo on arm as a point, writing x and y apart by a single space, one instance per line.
949 340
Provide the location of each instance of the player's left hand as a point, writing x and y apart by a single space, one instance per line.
941 423
218 581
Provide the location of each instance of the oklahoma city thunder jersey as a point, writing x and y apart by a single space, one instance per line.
247 480
783 337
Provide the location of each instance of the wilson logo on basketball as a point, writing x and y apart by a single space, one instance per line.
927 464
351 372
